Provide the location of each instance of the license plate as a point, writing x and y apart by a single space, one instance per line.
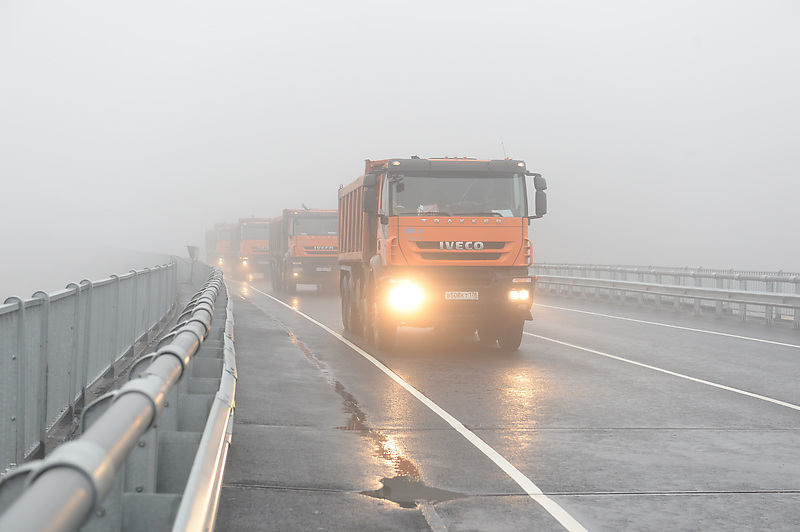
323 269
461 295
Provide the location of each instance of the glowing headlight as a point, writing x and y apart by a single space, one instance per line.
519 295
405 297
244 262
296 274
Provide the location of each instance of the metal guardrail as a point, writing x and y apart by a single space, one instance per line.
152 454
771 296
54 346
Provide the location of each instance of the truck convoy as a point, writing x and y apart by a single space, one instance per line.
252 237
304 249
438 242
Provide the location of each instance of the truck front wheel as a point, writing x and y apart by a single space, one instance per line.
487 332
511 334
382 332
345 293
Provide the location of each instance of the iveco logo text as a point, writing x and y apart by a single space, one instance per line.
477 246
324 247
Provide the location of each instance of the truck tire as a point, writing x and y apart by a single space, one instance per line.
344 290
355 316
511 334
487 333
381 332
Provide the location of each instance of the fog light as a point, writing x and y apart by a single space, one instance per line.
519 295
405 296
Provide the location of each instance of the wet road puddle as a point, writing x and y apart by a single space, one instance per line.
407 492
405 488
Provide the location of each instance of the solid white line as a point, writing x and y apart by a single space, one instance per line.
674 374
672 326
561 515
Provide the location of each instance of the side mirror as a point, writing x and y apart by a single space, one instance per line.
540 200
541 203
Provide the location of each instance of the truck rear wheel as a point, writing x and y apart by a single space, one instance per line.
355 306
510 334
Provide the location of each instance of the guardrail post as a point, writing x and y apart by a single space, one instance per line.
658 296
640 298
43 373
18 414
135 312
676 305
769 317
117 326
698 282
88 343
796 310
742 306
74 401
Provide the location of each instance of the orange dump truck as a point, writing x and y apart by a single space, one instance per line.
438 242
304 249
218 246
252 237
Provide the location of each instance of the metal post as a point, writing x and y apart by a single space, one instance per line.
115 350
43 374
77 329
88 343
769 317
20 413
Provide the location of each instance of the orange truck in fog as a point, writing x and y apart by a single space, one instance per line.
304 249
218 246
438 242
252 238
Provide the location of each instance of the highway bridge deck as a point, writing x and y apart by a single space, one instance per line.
293 465
624 418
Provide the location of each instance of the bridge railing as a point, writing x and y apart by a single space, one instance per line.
773 297
55 346
151 454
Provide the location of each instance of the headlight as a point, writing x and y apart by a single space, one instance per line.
405 296
519 295
295 274
244 262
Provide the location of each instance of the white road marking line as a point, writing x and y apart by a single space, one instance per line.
668 372
704 331
561 515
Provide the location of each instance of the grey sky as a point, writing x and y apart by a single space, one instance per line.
669 132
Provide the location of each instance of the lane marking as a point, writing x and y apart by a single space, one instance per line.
704 331
561 515
668 372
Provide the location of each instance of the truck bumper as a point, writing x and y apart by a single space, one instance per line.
452 301
314 271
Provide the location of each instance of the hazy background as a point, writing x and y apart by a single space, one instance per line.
669 132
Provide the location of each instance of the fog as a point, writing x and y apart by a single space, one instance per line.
668 131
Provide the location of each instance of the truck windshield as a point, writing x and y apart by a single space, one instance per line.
255 232
488 195
313 225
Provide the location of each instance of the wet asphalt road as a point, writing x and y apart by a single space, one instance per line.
623 418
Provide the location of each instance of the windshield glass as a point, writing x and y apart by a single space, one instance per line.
502 195
315 225
255 232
